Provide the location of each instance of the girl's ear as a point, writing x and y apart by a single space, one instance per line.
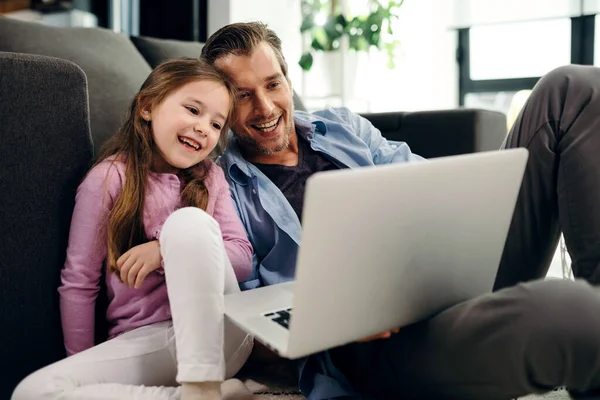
144 110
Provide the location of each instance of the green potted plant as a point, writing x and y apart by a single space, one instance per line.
326 25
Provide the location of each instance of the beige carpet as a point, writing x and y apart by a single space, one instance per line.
271 381
558 394
265 392
277 392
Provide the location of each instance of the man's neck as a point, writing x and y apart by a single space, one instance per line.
287 157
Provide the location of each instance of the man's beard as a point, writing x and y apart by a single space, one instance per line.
252 144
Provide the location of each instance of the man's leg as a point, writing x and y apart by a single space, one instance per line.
560 126
528 338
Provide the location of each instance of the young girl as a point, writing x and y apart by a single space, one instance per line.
166 271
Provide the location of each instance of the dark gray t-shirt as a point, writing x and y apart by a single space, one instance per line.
292 180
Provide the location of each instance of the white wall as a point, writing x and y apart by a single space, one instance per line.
591 6
425 76
219 14
476 12
283 16
426 73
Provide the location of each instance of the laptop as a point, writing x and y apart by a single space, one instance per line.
383 247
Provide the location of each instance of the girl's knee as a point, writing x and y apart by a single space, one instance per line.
191 238
37 385
189 222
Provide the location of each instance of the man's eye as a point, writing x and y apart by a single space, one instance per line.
217 126
193 110
273 85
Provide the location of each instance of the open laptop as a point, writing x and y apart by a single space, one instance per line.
386 246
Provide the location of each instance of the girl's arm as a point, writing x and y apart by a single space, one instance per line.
86 251
237 245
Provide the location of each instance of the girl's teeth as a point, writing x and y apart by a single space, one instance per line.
189 143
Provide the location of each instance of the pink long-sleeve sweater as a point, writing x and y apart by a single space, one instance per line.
85 262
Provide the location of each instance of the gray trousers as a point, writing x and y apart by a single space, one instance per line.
530 335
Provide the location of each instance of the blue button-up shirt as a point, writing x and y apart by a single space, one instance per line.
349 141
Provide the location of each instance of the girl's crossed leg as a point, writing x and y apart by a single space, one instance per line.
147 363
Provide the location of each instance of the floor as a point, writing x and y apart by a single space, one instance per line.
556 267
559 394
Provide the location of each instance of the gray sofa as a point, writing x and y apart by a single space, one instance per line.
63 92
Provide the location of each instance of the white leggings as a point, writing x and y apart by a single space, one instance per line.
146 363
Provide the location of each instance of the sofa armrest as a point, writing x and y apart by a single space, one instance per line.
45 150
444 132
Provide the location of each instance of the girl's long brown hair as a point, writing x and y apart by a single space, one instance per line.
133 144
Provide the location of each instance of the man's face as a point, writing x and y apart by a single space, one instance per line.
265 110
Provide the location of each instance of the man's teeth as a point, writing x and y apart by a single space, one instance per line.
267 127
190 143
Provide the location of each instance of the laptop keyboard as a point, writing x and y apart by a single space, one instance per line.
282 317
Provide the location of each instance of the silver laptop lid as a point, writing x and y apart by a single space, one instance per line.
386 246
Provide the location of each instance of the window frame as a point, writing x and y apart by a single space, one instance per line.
582 53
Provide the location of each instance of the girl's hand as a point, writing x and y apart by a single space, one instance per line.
138 262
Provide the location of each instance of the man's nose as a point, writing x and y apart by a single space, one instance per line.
263 104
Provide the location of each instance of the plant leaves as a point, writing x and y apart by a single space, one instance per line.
306 61
317 45
363 31
307 24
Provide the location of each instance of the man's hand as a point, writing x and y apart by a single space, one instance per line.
138 262
382 335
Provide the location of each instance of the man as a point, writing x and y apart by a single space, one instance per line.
521 339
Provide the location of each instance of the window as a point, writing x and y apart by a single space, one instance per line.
522 49
497 61
597 42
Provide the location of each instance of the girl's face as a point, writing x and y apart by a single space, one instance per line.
187 124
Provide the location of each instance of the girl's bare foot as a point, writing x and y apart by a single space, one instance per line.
201 391
234 389
231 389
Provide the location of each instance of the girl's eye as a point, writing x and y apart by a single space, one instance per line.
217 126
243 96
193 110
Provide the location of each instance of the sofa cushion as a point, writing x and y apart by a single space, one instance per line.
115 69
45 150
443 132
156 51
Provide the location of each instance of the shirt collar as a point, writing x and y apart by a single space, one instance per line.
308 125
240 170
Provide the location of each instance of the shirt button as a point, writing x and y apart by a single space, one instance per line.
254 191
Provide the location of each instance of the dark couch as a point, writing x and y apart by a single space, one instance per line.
55 113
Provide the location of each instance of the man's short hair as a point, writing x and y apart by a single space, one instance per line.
240 39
